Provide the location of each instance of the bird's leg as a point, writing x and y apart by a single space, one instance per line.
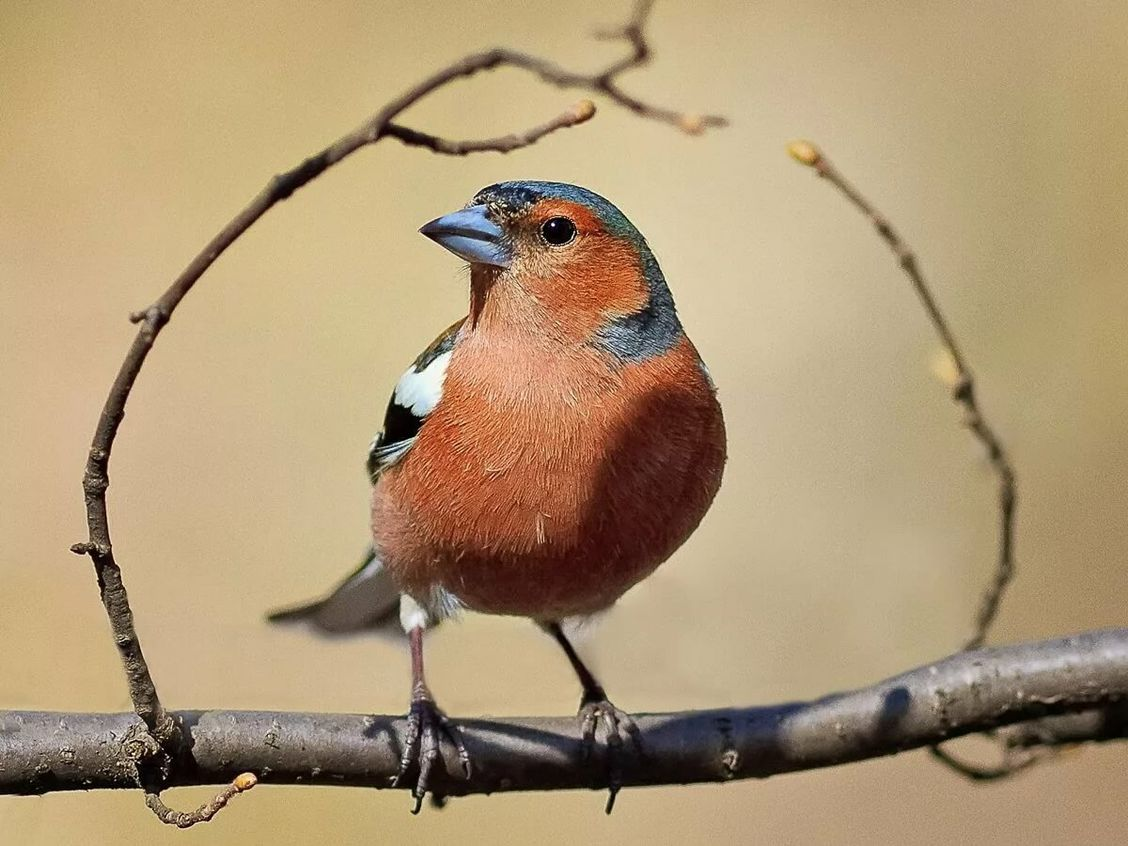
426 726
595 707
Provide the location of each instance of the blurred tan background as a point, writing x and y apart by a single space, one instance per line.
856 526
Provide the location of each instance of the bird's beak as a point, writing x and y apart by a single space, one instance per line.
471 235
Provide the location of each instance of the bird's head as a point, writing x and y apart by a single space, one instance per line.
558 252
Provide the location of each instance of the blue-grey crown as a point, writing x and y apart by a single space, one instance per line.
516 197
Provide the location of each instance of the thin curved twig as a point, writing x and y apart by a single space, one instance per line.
161 725
963 392
1022 746
963 386
581 112
186 819
1014 761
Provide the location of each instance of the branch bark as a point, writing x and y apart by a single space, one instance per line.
1061 691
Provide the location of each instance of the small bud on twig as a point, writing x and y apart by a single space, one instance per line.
583 110
691 124
804 152
944 368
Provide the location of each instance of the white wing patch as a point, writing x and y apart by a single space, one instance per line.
419 391
416 395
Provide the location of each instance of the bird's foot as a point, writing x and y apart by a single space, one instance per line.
426 727
596 710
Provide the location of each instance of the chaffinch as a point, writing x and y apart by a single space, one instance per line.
544 454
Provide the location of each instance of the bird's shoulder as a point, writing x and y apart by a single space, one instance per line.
415 396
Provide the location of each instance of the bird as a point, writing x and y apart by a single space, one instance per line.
543 455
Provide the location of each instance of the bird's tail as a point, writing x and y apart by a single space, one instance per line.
295 613
368 600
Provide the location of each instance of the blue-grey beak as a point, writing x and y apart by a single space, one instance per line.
470 235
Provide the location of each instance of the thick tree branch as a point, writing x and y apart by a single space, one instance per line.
161 746
968 692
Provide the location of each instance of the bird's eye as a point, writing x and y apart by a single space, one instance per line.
558 231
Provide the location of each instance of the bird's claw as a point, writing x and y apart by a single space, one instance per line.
596 712
426 726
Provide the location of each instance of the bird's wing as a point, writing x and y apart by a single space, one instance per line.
369 599
416 395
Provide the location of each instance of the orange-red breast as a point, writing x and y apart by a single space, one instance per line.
546 453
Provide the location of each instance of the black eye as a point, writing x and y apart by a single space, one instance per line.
558 231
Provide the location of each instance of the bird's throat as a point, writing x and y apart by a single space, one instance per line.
482 281
499 304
